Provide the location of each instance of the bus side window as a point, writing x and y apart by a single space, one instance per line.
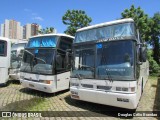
65 43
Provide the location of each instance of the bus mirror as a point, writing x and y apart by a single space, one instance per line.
58 59
67 58
143 54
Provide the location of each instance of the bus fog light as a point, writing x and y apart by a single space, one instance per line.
46 81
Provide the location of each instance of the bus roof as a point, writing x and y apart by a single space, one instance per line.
57 34
4 38
106 24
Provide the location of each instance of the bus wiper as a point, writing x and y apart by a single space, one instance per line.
29 52
40 59
35 57
79 76
86 66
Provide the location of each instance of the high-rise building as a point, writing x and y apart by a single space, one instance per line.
11 29
30 30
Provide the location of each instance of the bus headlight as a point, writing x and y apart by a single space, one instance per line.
74 84
125 89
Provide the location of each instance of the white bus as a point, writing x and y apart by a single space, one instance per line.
17 50
5 52
46 63
110 65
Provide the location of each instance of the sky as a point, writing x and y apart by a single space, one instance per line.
48 13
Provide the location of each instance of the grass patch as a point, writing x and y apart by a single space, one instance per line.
23 105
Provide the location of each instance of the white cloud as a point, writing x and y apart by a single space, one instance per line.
27 10
34 14
38 18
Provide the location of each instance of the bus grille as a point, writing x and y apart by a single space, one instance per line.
104 87
87 85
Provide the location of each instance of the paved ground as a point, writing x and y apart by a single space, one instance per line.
16 98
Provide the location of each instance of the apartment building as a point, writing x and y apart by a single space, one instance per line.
12 29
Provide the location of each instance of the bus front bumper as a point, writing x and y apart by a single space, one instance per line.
14 74
107 98
37 86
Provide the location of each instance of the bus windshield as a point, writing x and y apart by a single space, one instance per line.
117 30
110 60
38 61
115 60
2 48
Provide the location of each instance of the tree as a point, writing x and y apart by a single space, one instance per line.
75 19
153 66
47 30
141 20
155 36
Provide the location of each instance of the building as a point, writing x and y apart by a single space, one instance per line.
12 29
30 30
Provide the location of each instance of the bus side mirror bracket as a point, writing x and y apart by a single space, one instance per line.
58 59
67 57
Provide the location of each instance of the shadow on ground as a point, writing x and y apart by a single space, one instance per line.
40 93
9 82
157 96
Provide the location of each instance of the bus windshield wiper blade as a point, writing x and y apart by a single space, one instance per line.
35 57
79 76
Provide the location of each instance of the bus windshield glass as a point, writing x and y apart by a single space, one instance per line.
84 63
110 60
115 60
2 48
38 61
117 30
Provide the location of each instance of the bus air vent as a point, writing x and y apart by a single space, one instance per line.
104 87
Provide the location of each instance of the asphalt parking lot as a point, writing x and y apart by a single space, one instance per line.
59 105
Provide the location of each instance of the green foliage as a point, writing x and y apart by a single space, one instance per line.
155 36
150 32
141 20
75 19
47 30
153 66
